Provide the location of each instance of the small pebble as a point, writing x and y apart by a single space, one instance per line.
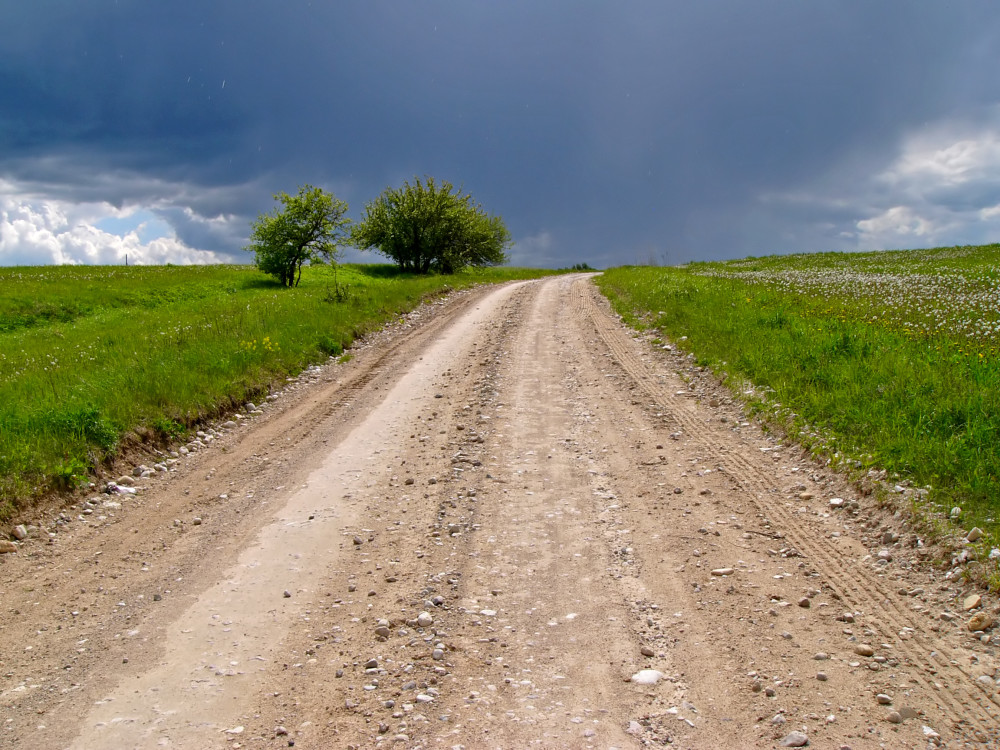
972 602
795 739
980 621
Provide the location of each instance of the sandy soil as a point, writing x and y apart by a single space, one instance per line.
474 535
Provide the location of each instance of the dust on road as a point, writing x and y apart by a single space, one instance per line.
506 523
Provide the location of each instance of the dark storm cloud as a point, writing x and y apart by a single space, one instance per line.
602 132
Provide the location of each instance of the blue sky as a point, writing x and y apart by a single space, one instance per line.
602 132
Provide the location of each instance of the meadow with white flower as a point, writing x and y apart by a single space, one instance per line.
878 360
92 358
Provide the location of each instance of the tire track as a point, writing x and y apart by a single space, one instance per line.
849 586
966 705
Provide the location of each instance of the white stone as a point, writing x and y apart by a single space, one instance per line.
647 677
795 739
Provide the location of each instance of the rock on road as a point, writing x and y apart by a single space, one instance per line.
506 523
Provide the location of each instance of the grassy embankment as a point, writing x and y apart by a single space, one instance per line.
886 359
89 355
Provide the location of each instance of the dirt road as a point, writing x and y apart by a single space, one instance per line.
475 534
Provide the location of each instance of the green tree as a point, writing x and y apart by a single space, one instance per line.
308 227
426 226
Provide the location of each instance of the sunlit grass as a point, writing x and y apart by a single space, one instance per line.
885 359
90 354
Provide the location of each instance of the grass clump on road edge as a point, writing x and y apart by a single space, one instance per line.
92 356
877 360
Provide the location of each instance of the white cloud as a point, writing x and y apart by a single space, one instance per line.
940 158
944 187
899 221
941 188
991 213
36 230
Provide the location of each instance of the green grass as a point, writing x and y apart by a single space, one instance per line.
880 360
89 356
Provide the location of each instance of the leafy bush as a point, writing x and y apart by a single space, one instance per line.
86 423
168 429
329 346
70 474
426 226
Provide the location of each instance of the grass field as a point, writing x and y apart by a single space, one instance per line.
879 360
88 354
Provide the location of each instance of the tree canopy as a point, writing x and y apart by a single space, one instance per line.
307 228
426 226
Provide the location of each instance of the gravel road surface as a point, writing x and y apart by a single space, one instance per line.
507 522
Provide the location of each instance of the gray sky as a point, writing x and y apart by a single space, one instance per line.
602 132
